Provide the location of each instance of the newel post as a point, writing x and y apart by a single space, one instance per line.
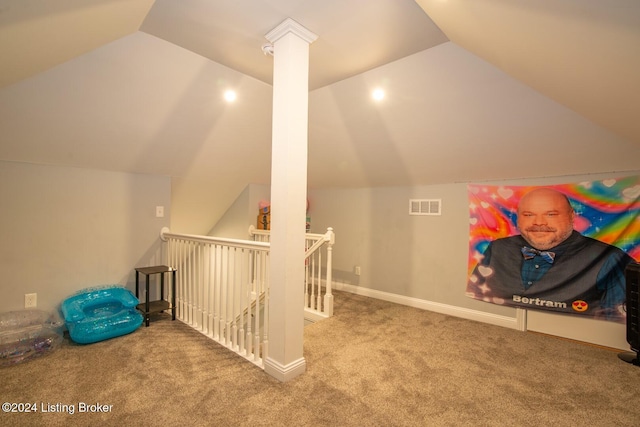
330 237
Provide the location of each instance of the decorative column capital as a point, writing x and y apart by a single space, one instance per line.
290 26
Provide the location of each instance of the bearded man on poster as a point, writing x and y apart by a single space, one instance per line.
551 266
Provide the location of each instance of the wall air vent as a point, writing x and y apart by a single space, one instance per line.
425 206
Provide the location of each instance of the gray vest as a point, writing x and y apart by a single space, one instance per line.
571 279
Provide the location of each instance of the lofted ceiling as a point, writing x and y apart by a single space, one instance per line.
498 89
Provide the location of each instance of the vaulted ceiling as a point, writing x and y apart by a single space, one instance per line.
497 89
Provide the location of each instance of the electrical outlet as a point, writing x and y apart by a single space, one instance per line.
357 270
30 300
159 211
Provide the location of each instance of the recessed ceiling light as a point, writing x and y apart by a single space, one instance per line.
230 96
378 94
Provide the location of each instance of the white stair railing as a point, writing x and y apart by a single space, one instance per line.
318 271
223 290
222 287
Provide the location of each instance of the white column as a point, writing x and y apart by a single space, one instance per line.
290 41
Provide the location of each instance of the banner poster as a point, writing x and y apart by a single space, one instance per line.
560 248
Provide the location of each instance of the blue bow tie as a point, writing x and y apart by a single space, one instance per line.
529 253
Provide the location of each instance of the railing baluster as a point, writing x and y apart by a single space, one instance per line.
307 284
191 271
319 300
256 319
224 299
177 262
194 278
209 284
205 289
188 283
250 299
175 246
198 283
265 339
313 282
243 299
216 291
185 279
194 287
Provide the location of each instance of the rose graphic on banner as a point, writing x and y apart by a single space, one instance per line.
560 248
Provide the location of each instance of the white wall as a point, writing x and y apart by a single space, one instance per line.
242 213
422 257
64 229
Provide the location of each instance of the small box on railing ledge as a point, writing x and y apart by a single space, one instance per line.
264 218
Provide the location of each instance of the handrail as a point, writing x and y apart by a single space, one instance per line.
165 234
329 237
320 239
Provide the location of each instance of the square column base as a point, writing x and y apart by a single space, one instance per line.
285 373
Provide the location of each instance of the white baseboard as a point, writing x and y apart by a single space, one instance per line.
285 373
451 310
314 316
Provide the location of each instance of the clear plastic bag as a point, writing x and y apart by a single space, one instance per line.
27 334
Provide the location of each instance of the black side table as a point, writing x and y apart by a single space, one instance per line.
157 306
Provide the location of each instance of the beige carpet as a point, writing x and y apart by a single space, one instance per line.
373 364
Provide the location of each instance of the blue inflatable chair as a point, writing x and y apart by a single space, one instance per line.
97 314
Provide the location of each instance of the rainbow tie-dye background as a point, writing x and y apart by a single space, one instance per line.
607 210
